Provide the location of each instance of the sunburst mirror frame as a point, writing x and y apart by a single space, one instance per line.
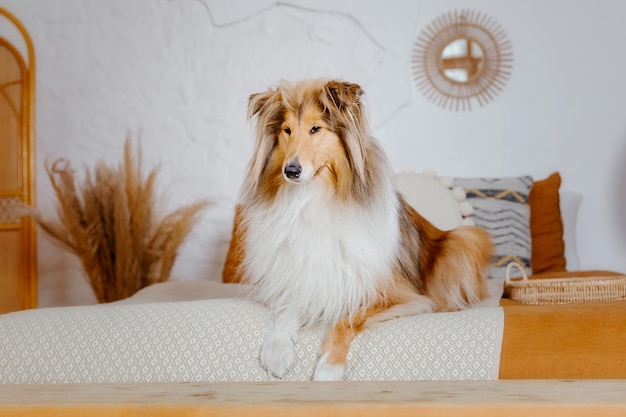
491 67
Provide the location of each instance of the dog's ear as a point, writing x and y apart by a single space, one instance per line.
342 101
258 100
343 95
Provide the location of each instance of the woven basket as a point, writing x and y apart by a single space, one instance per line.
564 290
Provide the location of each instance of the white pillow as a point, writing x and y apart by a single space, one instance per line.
431 198
570 203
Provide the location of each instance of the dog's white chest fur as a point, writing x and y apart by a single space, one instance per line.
319 259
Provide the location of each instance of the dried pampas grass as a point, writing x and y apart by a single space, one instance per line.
111 223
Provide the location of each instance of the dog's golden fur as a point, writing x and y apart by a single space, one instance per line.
324 237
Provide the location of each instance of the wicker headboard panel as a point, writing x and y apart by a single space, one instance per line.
18 272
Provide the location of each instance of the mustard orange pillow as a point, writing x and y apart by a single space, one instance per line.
546 226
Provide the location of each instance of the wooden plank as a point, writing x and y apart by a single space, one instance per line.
10 270
397 399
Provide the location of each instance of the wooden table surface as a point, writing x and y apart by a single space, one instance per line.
474 398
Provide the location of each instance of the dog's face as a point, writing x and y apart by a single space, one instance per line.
307 147
306 132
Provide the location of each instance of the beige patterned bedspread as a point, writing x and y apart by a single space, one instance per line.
219 340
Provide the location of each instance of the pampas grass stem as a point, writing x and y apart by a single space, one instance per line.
110 223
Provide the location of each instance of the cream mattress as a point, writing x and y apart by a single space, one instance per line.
147 339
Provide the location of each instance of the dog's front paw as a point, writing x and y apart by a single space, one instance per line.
277 354
328 372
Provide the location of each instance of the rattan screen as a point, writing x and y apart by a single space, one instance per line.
18 277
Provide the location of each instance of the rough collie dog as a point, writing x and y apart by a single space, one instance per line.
326 239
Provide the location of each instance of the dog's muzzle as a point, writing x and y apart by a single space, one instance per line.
293 170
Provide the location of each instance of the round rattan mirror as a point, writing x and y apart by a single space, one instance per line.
460 57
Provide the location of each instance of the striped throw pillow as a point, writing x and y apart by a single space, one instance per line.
501 207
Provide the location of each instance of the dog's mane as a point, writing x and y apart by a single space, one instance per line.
341 105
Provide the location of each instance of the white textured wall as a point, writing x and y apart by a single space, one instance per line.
179 73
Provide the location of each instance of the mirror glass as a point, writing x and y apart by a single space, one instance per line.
462 59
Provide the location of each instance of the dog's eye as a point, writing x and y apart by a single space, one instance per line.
315 129
288 131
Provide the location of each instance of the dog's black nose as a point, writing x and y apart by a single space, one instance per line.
293 170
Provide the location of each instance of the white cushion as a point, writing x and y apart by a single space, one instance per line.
430 198
570 203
